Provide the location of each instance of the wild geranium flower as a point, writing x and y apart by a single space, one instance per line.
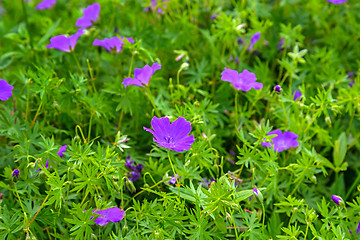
172 135
244 80
142 75
282 141
154 6
90 15
46 4
173 179
205 183
297 95
258 194
114 215
5 90
16 173
112 44
337 200
337 1
64 43
277 88
281 44
254 38
135 173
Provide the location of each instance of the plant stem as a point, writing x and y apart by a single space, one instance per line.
87 193
236 110
45 200
27 23
152 101
235 228
263 222
77 62
131 63
177 181
37 113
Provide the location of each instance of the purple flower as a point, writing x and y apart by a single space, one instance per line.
277 88
240 40
154 5
244 81
282 141
114 44
256 192
297 95
172 135
64 43
337 1
358 229
61 151
46 4
16 173
90 15
135 173
142 75
206 183
114 215
173 179
337 200
281 43
213 16
5 90
254 38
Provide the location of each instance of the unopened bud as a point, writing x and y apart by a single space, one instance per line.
258 194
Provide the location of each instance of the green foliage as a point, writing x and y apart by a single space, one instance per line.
78 99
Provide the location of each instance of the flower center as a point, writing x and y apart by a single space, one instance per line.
168 139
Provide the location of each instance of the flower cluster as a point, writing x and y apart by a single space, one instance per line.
135 170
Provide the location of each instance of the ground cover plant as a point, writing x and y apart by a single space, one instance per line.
179 119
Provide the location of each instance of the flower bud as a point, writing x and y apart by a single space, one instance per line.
277 88
338 200
258 194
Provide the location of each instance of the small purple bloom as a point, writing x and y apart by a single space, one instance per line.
134 176
337 1
282 141
173 179
255 191
281 44
240 40
114 215
254 38
142 75
112 44
154 5
358 229
135 173
61 151
5 90
172 135
90 15
46 4
337 200
277 88
16 173
244 81
64 43
213 16
297 95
